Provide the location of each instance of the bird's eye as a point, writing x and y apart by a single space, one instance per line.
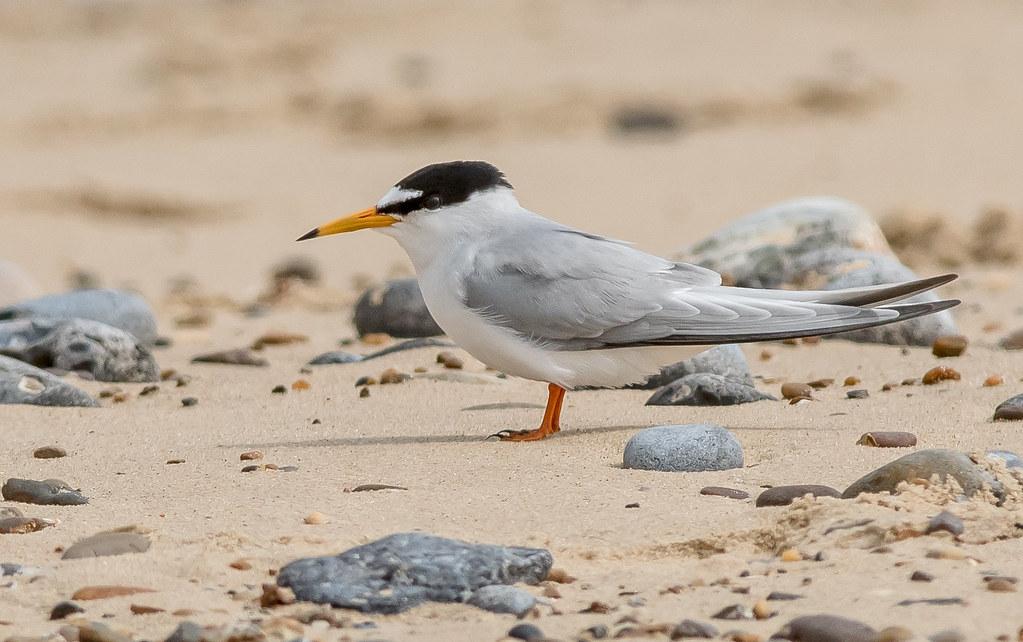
432 202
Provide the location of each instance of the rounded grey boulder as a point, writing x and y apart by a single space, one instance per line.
396 308
116 308
683 448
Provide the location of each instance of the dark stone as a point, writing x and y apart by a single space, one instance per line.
727 361
780 596
921 576
79 345
645 119
395 308
21 383
64 609
937 601
685 448
785 495
945 521
123 310
706 390
1010 410
693 629
857 394
922 465
189 401
48 492
826 628
403 570
734 612
528 632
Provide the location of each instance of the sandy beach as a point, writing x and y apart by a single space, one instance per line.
177 150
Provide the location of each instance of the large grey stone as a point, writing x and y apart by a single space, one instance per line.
685 448
15 284
108 353
727 361
924 464
116 308
49 492
706 390
22 383
395 308
400 571
826 628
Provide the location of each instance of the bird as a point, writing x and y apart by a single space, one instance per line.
537 299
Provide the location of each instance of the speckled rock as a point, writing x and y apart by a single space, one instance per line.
116 308
21 383
726 361
501 598
922 465
395 308
400 571
106 352
683 448
706 390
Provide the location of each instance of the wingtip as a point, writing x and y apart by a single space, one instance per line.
311 234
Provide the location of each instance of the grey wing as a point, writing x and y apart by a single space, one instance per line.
573 291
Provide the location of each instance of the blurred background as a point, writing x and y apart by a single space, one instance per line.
146 144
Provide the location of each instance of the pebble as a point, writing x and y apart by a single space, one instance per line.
940 373
21 383
361 488
596 632
826 628
315 518
363 393
47 492
117 308
721 491
948 635
392 375
279 389
645 119
106 591
762 611
24 525
857 394
949 345
449 360
994 380
189 401
1013 341
500 598
921 576
403 570
278 339
365 381
851 381
142 609
49 452
250 455
238 357
820 384
887 439
706 390
938 601
785 495
107 544
922 465
727 361
63 609
334 357
187 632
734 612
301 384
895 634
1010 410
1001 585
792 390
683 448
299 268
791 555
945 521
148 390
395 308
528 632
781 596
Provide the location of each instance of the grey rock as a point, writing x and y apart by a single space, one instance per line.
945 521
335 356
501 598
15 284
528 632
826 628
106 352
734 612
785 495
186 632
63 609
395 308
922 465
108 543
48 492
727 361
706 390
683 448
116 308
22 383
341 356
403 570
1011 459
646 119
1010 410
236 357
693 629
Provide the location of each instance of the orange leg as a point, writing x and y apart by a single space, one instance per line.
551 419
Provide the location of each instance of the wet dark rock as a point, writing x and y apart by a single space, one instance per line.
117 308
785 495
1010 410
108 543
727 361
395 308
945 521
706 390
48 492
922 465
683 448
238 357
63 609
403 570
21 383
721 491
826 628
528 632
79 345
693 629
500 598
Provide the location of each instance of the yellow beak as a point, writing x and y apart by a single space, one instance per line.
358 221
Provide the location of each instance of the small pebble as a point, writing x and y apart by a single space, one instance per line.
693 629
64 609
791 555
910 381
762 610
921 576
857 394
529 632
189 401
734 612
49 452
365 381
250 455
301 384
449 360
1010 410
278 339
279 390
721 491
940 373
895 634
239 357
780 596
1001 585
315 518
142 609
148 390
171 462
375 338
241 565
889 386
363 393
391 375
994 380
785 495
596 632
819 384
887 439
949 346
945 521
793 390
851 381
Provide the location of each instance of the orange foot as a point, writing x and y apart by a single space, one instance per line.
549 425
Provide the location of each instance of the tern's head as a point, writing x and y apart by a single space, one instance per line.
430 198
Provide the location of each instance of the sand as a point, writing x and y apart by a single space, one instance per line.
160 145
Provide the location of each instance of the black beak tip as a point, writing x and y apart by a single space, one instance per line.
311 234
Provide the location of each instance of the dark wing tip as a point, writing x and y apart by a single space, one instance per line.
311 234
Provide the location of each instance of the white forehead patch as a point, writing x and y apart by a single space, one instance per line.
398 195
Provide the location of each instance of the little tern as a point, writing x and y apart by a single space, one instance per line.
544 301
